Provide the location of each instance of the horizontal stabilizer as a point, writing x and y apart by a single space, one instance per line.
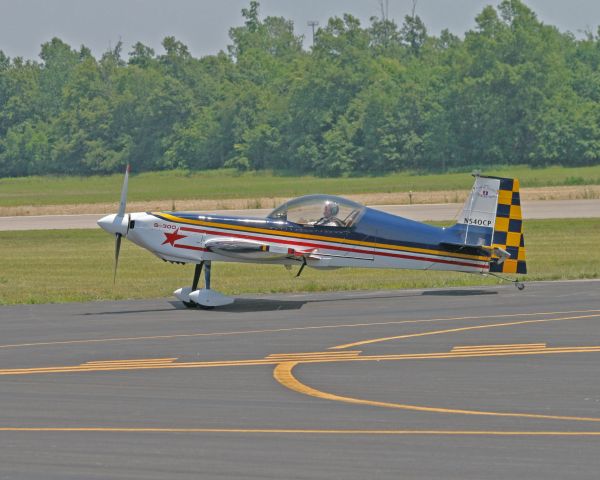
479 250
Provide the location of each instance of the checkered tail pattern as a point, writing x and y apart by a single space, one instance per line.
508 229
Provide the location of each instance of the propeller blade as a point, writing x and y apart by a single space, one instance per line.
118 237
123 201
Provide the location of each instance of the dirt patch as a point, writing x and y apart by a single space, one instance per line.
398 198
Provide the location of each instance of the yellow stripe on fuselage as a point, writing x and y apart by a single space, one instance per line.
386 246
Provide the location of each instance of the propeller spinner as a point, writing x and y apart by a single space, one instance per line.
118 224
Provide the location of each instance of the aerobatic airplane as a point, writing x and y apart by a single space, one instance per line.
326 231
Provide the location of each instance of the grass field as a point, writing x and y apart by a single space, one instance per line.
76 265
226 184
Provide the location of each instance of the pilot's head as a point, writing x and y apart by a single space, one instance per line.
330 209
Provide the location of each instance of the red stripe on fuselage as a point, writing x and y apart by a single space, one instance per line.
332 247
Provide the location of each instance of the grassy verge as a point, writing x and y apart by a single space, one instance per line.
76 265
226 184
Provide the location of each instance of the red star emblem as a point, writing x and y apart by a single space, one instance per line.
172 237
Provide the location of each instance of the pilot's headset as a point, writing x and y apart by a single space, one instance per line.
331 209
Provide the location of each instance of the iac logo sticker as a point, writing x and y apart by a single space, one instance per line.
485 191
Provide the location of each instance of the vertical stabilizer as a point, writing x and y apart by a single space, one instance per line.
480 208
475 224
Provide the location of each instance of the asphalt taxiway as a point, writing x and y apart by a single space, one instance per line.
469 383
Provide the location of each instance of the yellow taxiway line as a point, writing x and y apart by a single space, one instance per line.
304 357
456 330
301 431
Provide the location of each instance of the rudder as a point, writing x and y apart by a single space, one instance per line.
508 228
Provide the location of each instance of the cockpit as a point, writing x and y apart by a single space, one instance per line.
319 210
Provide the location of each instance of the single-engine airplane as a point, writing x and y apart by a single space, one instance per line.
326 232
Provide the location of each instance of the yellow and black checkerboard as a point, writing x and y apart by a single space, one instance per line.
508 230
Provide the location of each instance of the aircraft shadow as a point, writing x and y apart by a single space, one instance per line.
459 293
245 305
145 310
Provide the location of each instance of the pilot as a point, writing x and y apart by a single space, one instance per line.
329 219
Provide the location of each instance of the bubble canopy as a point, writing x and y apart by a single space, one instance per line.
316 210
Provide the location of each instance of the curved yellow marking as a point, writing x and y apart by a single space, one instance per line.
454 330
300 431
283 373
386 246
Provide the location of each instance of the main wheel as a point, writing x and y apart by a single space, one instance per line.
191 305
520 286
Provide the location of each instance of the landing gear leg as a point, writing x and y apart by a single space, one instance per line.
207 271
197 271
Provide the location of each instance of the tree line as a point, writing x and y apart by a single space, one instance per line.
361 100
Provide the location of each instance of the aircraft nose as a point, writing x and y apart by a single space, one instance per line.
113 224
105 222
